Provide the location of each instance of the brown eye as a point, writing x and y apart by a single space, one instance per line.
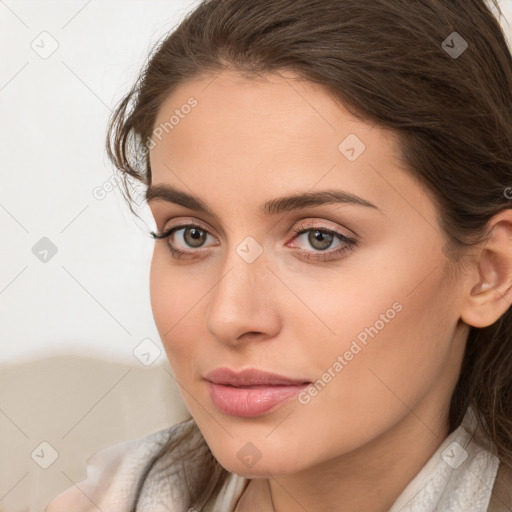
193 236
320 240
183 239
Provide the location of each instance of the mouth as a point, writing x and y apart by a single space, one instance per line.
251 392
251 377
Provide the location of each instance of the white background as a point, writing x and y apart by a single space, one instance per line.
92 297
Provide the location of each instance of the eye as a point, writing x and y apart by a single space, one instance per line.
321 239
192 236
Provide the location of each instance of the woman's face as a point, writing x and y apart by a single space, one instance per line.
373 323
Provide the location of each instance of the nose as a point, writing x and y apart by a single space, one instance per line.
243 304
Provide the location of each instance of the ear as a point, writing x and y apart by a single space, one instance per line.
489 293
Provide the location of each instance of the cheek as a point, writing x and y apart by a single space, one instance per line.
377 339
175 303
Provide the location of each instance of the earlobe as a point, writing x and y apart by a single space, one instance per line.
491 296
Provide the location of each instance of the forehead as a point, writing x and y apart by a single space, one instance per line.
275 114
267 136
256 109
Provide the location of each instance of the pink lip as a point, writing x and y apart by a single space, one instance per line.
250 377
250 392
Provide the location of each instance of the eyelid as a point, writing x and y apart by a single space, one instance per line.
301 224
167 233
187 223
323 226
347 242
168 214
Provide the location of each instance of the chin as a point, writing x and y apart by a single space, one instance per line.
276 465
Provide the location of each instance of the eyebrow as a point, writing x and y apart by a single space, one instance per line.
164 192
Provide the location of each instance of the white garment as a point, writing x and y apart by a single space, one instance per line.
459 477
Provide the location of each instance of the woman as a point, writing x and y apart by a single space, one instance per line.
332 271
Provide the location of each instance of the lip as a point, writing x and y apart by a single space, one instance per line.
251 392
250 377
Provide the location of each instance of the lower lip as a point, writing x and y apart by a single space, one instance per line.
251 401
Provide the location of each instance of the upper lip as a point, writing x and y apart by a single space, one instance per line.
250 377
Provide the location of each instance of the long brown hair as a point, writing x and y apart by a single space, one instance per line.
397 63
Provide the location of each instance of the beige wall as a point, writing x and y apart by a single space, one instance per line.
78 406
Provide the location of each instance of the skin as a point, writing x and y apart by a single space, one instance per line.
367 433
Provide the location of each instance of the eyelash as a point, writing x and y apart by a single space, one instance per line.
350 243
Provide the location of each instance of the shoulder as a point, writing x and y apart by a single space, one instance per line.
112 474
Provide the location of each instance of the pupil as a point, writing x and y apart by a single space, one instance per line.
195 237
319 236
